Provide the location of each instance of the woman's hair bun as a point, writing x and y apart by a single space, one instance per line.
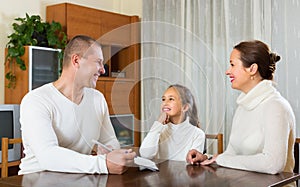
274 58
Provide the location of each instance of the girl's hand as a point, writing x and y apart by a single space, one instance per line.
163 118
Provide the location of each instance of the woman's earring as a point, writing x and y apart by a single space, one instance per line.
252 77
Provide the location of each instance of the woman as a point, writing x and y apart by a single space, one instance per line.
263 128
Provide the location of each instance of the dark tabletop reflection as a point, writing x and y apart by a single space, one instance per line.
47 179
180 174
194 171
249 179
171 173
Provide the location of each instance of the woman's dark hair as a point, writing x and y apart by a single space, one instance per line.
258 52
187 98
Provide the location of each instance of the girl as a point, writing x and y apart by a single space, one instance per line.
177 129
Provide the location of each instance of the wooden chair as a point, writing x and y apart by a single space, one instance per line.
296 155
5 164
219 138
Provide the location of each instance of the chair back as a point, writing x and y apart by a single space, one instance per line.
296 155
219 138
5 163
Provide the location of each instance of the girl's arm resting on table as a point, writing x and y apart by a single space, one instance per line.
199 141
150 144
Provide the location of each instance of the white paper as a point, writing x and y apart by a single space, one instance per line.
145 163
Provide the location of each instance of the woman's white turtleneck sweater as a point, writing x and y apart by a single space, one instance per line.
263 132
172 141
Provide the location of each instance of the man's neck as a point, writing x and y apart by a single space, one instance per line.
70 90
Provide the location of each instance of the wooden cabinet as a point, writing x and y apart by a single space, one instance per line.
118 94
15 95
95 23
42 66
119 36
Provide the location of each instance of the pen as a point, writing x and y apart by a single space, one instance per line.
102 145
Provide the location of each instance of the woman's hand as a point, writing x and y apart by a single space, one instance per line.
209 160
194 157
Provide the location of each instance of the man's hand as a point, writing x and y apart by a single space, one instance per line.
102 151
117 161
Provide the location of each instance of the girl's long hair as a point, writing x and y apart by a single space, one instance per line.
187 98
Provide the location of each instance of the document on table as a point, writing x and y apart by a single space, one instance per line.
144 163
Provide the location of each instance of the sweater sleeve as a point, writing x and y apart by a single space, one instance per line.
199 140
108 136
150 144
277 121
41 144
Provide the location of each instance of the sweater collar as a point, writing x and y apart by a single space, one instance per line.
256 95
179 125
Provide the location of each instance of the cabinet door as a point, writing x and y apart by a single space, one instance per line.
100 85
15 95
83 20
120 97
76 19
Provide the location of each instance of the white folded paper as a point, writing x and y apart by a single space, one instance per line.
145 163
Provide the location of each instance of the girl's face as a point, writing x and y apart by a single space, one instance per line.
240 77
172 106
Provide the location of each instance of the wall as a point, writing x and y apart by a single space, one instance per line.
11 9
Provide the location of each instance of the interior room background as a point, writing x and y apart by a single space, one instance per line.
189 42
9 10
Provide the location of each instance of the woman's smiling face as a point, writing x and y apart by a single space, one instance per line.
239 75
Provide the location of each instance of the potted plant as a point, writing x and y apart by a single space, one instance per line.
31 30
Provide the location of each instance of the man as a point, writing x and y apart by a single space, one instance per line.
59 120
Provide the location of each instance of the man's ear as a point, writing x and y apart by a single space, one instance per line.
253 69
75 60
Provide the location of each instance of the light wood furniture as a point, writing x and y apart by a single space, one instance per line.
171 173
4 163
15 95
119 36
219 138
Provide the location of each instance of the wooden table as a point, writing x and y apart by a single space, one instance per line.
171 173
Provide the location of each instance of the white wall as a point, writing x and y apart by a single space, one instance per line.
9 10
